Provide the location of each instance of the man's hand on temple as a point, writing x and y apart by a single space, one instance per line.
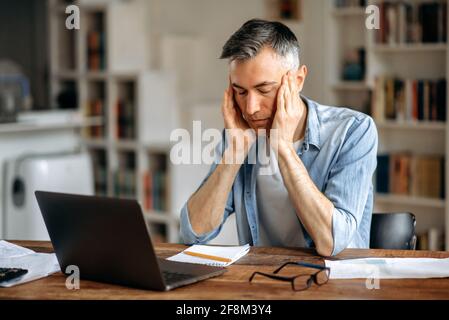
239 134
288 114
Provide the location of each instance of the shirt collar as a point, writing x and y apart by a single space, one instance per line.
312 134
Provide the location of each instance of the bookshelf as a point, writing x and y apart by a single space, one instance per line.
102 70
397 65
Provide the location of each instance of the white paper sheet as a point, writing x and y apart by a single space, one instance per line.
39 265
389 268
10 250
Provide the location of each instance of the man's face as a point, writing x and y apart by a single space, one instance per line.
255 83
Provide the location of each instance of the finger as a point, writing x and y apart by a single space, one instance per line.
297 92
287 96
227 98
230 88
280 92
231 100
292 81
292 91
228 105
281 99
284 79
224 105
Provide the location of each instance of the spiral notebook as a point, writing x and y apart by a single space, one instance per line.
220 256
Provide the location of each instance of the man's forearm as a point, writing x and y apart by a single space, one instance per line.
312 207
206 207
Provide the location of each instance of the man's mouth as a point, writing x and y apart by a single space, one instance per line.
259 121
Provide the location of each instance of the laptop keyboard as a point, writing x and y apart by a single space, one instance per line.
11 273
173 277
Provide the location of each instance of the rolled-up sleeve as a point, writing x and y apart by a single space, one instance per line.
187 234
189 237
350 180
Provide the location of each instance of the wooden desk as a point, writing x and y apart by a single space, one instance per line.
234 283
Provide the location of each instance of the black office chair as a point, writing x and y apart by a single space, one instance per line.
393 231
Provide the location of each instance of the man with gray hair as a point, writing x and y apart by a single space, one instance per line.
320 192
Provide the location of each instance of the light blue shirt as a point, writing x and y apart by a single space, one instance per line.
339 152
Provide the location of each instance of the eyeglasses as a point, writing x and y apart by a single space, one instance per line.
301 281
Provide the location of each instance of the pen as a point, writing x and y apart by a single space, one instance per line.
207 256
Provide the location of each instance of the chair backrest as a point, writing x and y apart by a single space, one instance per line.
393 231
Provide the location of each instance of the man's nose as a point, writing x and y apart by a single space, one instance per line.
252 104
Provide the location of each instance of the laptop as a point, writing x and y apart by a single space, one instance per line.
108 240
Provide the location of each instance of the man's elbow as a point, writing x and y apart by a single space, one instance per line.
324 251
325 247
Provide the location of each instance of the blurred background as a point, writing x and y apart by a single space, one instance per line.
90 110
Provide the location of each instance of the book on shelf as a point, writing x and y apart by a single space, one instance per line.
125 176
95 108
126 124
428 179
404 173
124 183
158 232
95 51
412 22
409 99
100 172
383 173
155 184
155 188
400 173
431 239
350 3
100 178
354 65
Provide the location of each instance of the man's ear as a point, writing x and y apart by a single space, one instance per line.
301 75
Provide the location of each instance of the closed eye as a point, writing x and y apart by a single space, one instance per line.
265 91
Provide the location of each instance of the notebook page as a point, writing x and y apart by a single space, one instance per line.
230 252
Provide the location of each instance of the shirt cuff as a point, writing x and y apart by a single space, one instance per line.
188 236
343 227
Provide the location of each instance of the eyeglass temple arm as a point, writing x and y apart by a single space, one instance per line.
272 276
304 264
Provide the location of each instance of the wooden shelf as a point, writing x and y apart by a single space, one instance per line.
409 200
67 74
125 145
407 125
130 145
95 142
403 48
156 147
134 145
28 127
48 125
96 75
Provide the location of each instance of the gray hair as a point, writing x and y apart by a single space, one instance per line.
256 34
